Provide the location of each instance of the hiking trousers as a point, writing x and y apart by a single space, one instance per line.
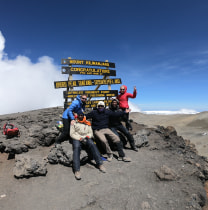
101 135
91 150
124 130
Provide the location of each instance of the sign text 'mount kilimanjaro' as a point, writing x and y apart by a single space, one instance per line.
87 63
91 93
88 71
78 83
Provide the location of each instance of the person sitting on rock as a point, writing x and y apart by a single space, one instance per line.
123 98
81 134
116 125
68 117
100 123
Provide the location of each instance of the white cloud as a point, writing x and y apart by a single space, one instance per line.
25 85
2 45
181 111
134 107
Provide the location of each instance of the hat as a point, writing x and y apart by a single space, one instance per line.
80 112
101 103
115 100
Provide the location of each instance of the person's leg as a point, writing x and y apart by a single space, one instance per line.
130 138
65 133
114 130
116 140
76 155
92 149
100 134
128 124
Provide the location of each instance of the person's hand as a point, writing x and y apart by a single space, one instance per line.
72 122
127 110
134 88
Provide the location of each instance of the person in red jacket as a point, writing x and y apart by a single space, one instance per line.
123 102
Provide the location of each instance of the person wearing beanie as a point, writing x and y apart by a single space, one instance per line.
100 126
116 125
123 98
68 117
81 134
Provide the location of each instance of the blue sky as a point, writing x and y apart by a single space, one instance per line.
159 46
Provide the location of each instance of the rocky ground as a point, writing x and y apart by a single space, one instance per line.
166 173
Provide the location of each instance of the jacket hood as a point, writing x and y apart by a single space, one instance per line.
79 98
125 89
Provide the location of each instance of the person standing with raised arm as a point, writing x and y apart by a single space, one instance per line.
123 98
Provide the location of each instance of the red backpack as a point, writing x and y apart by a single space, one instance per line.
10 130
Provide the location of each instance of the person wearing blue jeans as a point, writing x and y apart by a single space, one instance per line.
81 134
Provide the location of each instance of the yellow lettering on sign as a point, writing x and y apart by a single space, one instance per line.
76 62
88 82
117 81
74 83
61 85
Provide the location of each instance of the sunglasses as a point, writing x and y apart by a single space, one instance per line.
100 106
122 89
84 99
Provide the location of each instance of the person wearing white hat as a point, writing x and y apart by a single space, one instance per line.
100 123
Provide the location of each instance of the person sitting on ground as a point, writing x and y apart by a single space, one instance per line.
123 102
100 123
68 117
116 125
81 134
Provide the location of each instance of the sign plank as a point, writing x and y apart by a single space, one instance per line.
78 83
91 93
87 71
87 63
90 103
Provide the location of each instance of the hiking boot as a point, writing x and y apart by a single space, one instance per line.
125 159
135 149
110 157
77 175
102 169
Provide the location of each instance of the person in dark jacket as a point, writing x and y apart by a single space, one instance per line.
116 125
68 117
100 126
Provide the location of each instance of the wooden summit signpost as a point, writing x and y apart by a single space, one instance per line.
71 94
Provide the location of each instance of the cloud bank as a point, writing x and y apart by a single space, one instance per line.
181 111
27 86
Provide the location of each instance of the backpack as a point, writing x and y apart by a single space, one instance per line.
10 130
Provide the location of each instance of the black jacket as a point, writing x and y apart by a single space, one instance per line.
115 120
100 120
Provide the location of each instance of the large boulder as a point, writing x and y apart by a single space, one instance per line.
14 146
63 154
28 166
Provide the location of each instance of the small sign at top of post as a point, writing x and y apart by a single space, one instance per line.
87 63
